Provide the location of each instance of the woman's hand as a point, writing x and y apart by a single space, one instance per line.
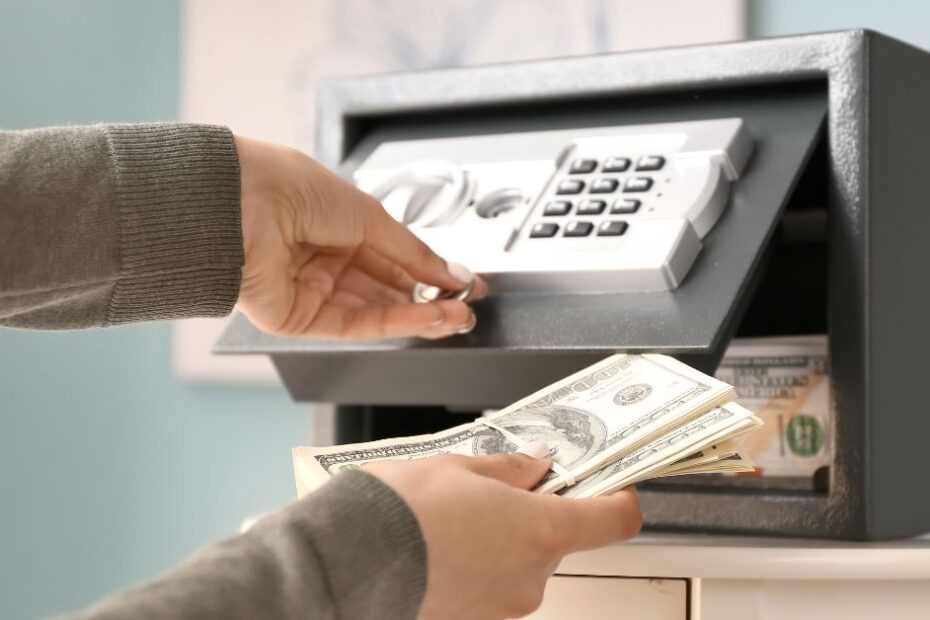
491 543
323 259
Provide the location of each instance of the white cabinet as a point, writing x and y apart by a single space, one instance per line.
701 577
613 598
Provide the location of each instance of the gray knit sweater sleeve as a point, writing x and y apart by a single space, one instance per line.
352 551
111 224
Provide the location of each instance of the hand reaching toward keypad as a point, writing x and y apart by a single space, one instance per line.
324 260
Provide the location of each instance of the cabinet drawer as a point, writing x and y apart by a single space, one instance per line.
613 598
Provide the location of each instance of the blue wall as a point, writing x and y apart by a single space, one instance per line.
908 20
110 470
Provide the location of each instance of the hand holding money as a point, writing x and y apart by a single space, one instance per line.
625 419
491 543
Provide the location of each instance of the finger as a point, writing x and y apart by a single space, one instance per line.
384 270
536 449
322 270
479 290
592 522
313 288
391 274
392 239
351 214
374 321
458 319
364 286
517 470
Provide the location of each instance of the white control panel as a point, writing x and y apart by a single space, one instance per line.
621 208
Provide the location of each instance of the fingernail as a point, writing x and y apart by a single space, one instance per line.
480 285
460 272
468 326
535 449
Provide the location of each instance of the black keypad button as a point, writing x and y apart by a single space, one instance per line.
650 162
611 228
591 207
578 229
570 186
544 229
615 164
604 186
582 166
557 207
625 205
637 184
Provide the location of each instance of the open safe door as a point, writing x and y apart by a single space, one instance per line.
632 223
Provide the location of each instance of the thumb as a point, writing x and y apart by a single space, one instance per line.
587 523
516 469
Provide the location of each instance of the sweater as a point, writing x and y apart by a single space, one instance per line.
112 224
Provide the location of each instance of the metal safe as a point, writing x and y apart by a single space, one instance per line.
817 226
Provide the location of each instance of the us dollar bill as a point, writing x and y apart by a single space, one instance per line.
732 464
785 381
589 420
706 455
313 466
602 412
716 426
722 457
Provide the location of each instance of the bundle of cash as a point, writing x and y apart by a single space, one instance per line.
785 381
625 419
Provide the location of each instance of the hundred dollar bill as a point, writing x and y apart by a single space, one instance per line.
733 464
785 382
721 424
313 466
610 408
704 456
722 457
588 419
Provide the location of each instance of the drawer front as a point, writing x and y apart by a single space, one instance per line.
613 598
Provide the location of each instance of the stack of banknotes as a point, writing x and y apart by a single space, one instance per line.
625 419
785 381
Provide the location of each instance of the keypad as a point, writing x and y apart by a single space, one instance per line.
594 198
637 184
650 163
582 166
544 229
558 207
616 164
578 229
570 186
591 207
625 205
604 186
611 228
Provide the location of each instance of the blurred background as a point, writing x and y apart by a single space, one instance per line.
124 450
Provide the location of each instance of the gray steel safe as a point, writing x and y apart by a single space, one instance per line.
826 233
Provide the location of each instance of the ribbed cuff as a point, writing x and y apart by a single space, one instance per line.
177 188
